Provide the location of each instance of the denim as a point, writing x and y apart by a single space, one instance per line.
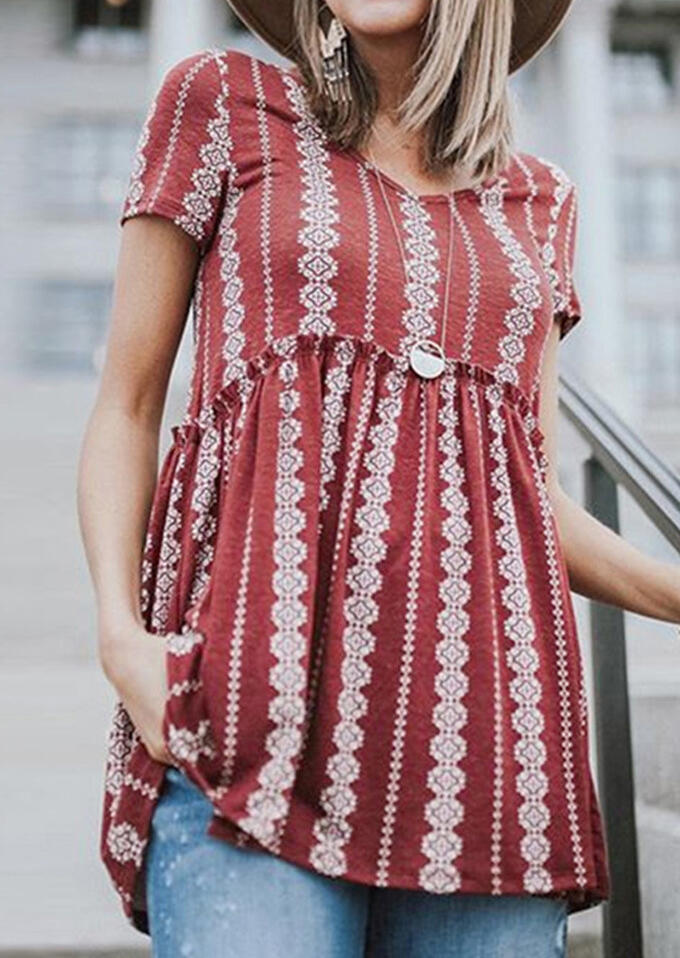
208 898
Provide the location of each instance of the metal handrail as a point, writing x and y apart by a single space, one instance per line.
618 459
632 464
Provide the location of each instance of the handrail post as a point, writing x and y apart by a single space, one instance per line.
621 914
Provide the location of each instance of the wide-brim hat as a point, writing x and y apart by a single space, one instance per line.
535 23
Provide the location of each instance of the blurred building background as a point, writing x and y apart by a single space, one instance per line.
76 78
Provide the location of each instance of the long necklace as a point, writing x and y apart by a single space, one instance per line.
426 357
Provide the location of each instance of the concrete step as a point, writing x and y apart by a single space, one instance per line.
659 865
584 946
655 720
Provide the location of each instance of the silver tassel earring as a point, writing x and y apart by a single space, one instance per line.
335 54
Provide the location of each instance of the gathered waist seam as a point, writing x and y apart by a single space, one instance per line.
232 393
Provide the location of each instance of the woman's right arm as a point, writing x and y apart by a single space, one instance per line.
119 456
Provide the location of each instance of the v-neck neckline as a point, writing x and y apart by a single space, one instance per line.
440 197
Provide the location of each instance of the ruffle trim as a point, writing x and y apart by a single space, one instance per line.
230 397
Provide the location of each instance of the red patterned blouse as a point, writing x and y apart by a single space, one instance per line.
372 656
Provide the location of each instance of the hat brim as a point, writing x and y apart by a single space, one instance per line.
535 23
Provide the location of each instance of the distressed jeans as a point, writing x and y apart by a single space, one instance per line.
208 898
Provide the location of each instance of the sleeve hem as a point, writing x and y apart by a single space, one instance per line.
169 211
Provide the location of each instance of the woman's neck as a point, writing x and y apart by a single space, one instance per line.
391 58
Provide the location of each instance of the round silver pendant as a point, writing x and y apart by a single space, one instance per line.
427 358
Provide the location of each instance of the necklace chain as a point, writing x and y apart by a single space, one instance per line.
451 202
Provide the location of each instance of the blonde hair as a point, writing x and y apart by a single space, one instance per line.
459 96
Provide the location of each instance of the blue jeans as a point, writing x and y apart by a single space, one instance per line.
208 898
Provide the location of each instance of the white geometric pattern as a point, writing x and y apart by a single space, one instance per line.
444 812
394 781
522 657
520 317
268 803
332 830
319 211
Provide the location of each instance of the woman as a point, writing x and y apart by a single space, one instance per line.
368 696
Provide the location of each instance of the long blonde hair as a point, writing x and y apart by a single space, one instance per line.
460 95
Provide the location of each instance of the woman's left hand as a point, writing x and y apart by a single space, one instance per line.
135 663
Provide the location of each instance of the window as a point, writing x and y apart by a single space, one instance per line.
65 326
649 211
84 164
110 27
642 78
654 357
108 14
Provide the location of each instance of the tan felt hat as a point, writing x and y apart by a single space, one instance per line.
536 22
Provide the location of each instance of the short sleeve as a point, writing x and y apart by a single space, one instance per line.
182 163
567 305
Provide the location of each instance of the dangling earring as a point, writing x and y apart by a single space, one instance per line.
335 53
